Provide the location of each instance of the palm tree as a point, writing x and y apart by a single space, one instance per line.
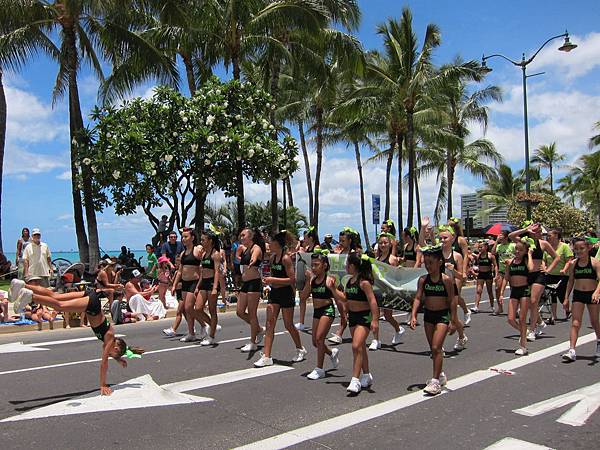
83 29
2 142
501 187
548 156
595 140
566 186
585 179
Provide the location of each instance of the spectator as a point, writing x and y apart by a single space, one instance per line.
162 225
172 248
235 261
327 242
152 268
37 259
4 314
106 280
136 298
39 313
22 244
164 279
119 311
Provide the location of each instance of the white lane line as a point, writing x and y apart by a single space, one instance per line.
515 444
223 378
68 341
328 426
86 361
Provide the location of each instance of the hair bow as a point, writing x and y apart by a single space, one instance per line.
214 229
434 248
350 230
591 240
447 228
526 223
389 222
387 235
527 240
311 229
412 231
130 355
454 220
321 251
365 257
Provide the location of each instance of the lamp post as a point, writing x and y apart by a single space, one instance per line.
566 47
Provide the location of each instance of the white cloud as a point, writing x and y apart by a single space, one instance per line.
67 216
580 61
66 175
18 161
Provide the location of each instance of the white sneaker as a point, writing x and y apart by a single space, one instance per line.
316 374
495 311
530 336
597 355
539 330
375 345
300 355
443 379
188 338
15 287
521 351
474 309
261 334
366 380
219 328
335 339
354 386
249 347
263 361
398 336
203 331
461 343
300 327
207 341
24 297
468 318
334 357
570 355
169 332
433 387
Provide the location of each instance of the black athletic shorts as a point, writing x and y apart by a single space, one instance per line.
254 285
327 310
519 292
584 297
101 330
536 278
362 318
438 316
206 284
282 296
94 307
485 275
189 286
179 294
562 287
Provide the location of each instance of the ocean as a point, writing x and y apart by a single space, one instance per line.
74 256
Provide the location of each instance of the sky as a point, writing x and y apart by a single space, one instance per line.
563 104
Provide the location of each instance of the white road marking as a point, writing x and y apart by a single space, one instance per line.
338 423
18 347
143 392
515 444
69 341
587 401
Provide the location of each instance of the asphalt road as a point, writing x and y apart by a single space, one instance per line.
47 395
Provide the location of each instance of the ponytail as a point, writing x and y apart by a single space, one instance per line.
285 239
363 265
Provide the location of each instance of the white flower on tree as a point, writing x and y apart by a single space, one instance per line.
210 139
210 120
168 158
116 174
87 161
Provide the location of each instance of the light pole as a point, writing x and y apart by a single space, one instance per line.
566 47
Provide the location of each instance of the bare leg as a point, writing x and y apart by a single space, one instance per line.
255 328
577 311
74 305
343 318
288 321
359 350
536 293
272 314
321 328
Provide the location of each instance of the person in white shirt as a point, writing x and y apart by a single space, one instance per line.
37 259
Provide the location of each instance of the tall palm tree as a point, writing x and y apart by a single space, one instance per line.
501 187
567 187
595 140
547 156
82 29
585 179
2 142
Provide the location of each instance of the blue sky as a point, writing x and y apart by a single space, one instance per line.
563 105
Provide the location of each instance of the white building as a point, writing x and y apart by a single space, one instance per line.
471 205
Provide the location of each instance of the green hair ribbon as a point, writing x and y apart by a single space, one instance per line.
390 223
447 228
214 229
321 251
526 223
412 231
350 230
591 240
434 248
454 220
365 257
311 229
529 241
387 235
130 355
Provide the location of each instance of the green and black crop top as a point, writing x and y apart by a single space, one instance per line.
320 290
519 269
354 292
586 272
437 289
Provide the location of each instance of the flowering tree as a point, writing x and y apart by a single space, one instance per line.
170 150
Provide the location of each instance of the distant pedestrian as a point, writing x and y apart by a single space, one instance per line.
37 259
22 244
172 248
152 268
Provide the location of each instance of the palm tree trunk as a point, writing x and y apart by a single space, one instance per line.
362 192
239 174
274 88
418 198
399 140
274 207
306 169
2 141
388 180
288 185
410 147
319 130
551 181
450 179
200 207
189 71
75 127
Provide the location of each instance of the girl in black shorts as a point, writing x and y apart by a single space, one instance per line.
517 274
80 302
363 317
436 291
485 276
323 290
282 297
584 276
310 244
208 286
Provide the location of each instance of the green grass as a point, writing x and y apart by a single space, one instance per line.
4 284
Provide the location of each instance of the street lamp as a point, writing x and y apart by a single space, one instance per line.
566 47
